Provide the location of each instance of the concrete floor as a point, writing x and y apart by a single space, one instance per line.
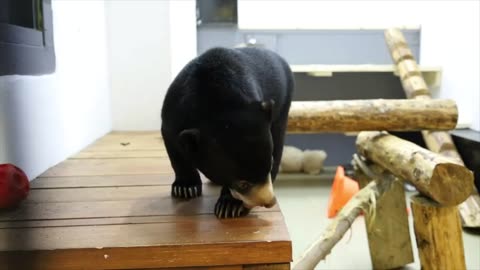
304 205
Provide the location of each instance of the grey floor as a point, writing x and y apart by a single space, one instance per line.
304 205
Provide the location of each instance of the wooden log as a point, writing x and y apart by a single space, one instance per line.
408 68
415 86
401 53
337 227
388 230
395 38
470 209
470 212
438 234
439 141
377 114
438 177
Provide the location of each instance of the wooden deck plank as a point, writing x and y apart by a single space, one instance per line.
128 141
152 256
95 194
270 216
125 145
124 166
121 154
102 181
156 206
202 230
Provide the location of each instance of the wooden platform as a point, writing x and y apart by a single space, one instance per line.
109 207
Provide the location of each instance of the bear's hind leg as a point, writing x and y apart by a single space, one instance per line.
188 183
229 207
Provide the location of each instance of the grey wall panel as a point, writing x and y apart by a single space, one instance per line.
339 47
208 37
355 85
301 47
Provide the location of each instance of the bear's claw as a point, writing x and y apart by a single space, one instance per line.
230 208
186 192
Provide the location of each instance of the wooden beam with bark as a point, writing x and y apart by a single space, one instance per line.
376 114
440 178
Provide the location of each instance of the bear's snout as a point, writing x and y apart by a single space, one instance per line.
259 195
271 203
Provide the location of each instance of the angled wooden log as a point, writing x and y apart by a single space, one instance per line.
438 234
387 230
437 141
440 178
377 114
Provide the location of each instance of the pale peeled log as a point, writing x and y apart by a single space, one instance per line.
313 161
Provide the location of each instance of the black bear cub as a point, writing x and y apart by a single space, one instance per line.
225 115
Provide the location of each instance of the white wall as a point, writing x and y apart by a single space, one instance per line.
183 34
451 39
476 109
307 14
45 119
149 42
138 42
449 34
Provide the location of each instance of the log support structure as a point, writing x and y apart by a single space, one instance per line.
438 141
384 162
440 181
443 182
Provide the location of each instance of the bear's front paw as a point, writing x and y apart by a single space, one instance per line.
229 207
186 192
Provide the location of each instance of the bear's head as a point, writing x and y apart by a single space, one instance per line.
234 148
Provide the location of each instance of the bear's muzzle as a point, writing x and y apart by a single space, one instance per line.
259 195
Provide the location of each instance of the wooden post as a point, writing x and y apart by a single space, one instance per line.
438 234
438 177
388 230
437 141
379 114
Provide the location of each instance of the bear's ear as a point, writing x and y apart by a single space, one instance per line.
267 107
189 140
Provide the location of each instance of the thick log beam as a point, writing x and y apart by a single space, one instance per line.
377 114
440 178
438 234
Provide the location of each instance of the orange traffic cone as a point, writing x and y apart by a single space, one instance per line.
343 189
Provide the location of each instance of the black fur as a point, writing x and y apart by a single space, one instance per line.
225 114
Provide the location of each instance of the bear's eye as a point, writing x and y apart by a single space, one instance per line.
243 185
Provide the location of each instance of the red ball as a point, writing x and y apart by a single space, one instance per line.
14 185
